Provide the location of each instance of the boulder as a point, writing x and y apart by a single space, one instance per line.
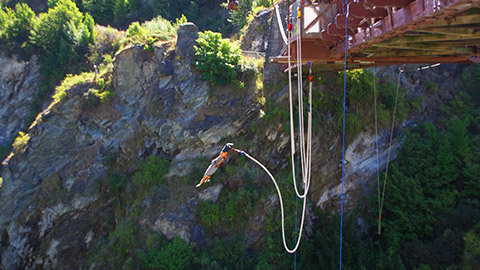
187 33
211 194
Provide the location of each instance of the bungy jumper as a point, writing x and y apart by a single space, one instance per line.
216 163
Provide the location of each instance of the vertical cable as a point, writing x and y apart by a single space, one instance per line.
389 150
296 229
376 149
343 135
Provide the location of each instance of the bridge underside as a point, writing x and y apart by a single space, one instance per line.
388 32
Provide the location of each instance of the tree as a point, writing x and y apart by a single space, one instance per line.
15 26
21 24
432 195
121 8
239 17
101 10
471 255
62 35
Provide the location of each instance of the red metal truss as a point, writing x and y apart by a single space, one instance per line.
383 32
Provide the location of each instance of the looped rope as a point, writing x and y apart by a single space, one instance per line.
281 204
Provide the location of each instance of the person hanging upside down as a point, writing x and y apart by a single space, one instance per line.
216 163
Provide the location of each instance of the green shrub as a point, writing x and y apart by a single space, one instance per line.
102 11
105 92
387 94
69 82
149 44
151 173
21 141
180 21
471 80
121 8
354 125
216 58
210 215
1 182
158 26
239 17
135 29
107 42
120 247
433 87
116 183
263 3
359 87
174 255
225 254
149 32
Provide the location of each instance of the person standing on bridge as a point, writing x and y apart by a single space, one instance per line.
216 163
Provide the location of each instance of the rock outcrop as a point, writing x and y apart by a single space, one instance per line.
19 81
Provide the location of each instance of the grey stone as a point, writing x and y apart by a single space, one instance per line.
211 194
187 33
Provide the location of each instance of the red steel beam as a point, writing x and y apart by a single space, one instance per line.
381 60
333 30
352 22
387 3
327 37
358 10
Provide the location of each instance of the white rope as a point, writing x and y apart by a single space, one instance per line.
280 25
281 204
305 154
300 97
305 151
306 158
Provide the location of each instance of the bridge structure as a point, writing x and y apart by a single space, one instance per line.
382 32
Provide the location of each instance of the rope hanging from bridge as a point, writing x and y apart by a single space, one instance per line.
343 134
292 143
380 211
305 150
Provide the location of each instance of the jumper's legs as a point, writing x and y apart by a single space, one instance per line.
206 178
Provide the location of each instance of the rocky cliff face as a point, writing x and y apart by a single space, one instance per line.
52 211
50 197
19 82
